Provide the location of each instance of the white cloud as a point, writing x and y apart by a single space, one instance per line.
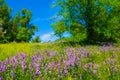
51 37
48 37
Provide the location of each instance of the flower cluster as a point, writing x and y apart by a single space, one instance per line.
73 63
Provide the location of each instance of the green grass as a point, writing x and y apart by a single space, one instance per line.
105 60
7 50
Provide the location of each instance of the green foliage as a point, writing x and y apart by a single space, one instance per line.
17 28
5 22
25 18
78 32
59 28
22 35
36 39
99 18
25 28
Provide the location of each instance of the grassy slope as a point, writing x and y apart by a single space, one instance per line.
98 55
7 50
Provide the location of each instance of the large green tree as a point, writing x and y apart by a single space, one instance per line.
17 28
100 18
25 28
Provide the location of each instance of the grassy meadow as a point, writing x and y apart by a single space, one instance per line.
60 40
49 61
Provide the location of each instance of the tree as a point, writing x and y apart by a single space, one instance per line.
99 17
18 28
36 39
5 22
15 26
78 32
26 29
59 28
22 35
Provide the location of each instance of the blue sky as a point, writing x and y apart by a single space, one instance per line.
42 12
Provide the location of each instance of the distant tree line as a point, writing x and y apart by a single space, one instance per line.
16 28
86 20
89 20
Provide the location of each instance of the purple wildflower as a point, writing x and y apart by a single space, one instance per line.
72 63
67 63
23 56
2 67
87 55
8 60
78 61
58 67
79 51
15 60
62 59
82 53
70 54
65 70
16 57
23 65
37 69
72 60
47 66
47 53
33 59
42 78
12 73
23 61
90 66
71 57
105 48
85 67
0 77
53 54
53 64
94 71
30 67
109 60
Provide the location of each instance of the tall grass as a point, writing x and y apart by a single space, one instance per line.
51 61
